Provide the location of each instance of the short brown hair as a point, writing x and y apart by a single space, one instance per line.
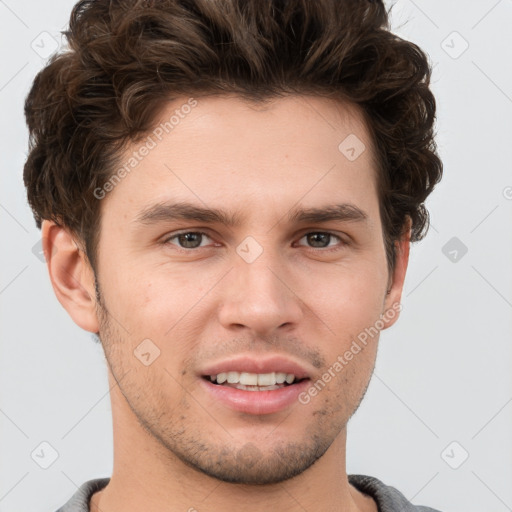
126 58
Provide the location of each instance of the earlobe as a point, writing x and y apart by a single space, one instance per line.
392 306
71 275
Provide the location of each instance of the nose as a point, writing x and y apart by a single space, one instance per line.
259 297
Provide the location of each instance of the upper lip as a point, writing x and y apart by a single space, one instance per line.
252 364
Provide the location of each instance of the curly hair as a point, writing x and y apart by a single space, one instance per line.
127 58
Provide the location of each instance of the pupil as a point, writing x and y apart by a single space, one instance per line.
313 238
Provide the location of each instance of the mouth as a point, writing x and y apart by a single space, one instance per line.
254 381
255 386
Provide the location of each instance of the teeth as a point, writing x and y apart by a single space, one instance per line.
266 379
253 379
280 377
248 379
257 388
233 377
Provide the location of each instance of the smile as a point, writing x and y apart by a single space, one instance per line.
254 381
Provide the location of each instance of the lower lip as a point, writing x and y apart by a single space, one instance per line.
256 402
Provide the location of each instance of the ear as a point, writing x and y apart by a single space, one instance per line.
392 305
71 275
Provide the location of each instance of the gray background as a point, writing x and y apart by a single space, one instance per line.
442 386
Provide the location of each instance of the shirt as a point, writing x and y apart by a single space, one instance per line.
388 498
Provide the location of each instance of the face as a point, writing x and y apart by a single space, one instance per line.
242 249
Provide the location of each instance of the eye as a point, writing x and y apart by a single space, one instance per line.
187 239
315 239
322 239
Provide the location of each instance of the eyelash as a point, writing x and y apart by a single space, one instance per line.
202 233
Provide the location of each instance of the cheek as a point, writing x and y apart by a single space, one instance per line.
347 301
336 394
151 301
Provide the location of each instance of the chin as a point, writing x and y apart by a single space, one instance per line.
249 465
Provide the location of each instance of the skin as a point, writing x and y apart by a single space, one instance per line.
199 305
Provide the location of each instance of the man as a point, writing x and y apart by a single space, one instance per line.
227 192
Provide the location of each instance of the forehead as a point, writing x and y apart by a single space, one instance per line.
218 149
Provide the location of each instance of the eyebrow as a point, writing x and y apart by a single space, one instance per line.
162 212
340 212
165 212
